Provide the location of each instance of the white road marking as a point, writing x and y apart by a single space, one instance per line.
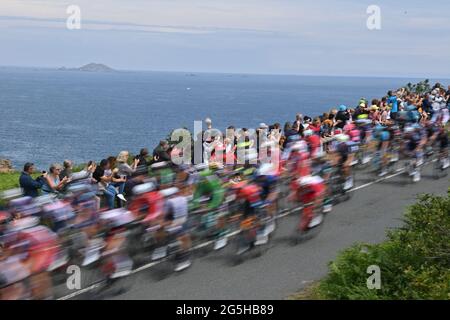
378 180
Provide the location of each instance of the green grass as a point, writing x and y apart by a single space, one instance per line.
11 180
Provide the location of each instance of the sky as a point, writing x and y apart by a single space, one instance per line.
320 37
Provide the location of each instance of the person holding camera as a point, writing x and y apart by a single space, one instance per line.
52 182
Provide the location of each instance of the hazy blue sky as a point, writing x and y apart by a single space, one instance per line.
249 36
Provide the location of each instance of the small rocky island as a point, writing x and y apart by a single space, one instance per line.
91 67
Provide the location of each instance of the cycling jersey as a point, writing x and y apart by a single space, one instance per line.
211 186
177 211
268 185
250 195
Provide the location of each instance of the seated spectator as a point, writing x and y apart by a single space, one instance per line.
116 180
143 154
67 171
104 184
52 182
29 185
125 170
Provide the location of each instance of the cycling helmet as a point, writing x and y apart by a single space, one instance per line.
309 180
266 169
342 107
342 137
117 217
409 129
300 146
143 188
169 192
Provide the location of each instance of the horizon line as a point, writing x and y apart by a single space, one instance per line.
230 73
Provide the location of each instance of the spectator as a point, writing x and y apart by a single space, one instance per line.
426 104
125 170
52 182
448 96
143 163
67 171
299 119
316 125
104 184
289 134
393 101
161 152
29 185
342 117
261 135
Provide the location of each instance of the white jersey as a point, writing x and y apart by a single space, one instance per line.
178 207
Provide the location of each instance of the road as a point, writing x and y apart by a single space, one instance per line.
286 269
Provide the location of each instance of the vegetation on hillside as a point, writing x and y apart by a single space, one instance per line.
414 261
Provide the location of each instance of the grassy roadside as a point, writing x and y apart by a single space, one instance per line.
11 180
414 261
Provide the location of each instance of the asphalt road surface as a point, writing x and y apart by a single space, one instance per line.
285 269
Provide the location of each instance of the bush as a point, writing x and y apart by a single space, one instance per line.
414 260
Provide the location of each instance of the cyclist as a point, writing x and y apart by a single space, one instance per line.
443 141
210 186
310 191
382 138
267 179
345 155
414 139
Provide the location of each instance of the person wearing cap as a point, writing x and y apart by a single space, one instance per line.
29 185
342 117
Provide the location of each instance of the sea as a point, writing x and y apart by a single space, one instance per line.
48 116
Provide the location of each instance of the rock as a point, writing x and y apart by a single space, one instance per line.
91 67
6 166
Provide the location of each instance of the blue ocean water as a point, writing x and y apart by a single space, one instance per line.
48 116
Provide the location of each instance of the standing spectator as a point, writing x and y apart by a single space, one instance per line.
342 117
448 96
29 185
393 101
289 133
298 119
426 104
261 135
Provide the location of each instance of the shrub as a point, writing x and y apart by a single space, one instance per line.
414 260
